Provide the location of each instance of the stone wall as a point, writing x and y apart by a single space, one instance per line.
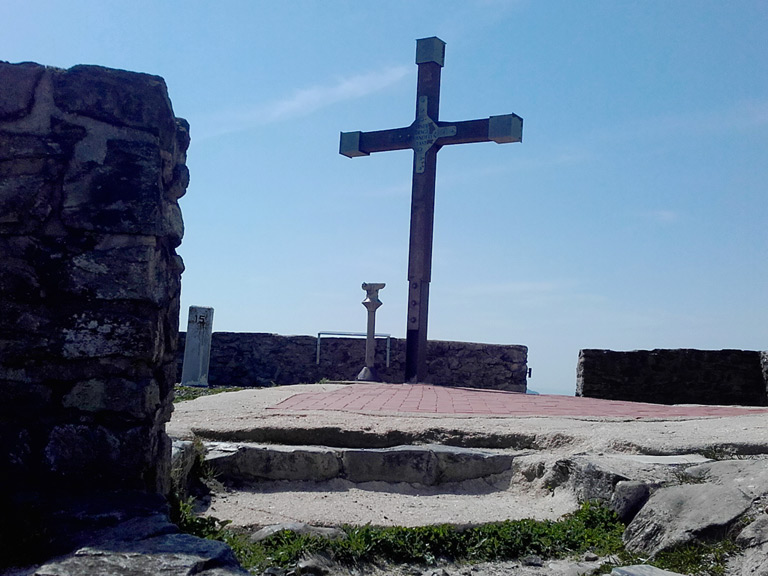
92 163
675 376
254 359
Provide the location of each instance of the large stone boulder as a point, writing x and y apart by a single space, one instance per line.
681 514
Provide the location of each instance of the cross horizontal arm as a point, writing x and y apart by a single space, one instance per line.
500 129
466 132
364 143
383 140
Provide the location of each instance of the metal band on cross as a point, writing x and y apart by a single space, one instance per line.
425 136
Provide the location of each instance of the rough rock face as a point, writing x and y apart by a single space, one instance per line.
256 359
126 533
92 163
749 476
682 376
680 514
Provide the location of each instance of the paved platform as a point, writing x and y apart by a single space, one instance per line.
384 415
421 398
355 425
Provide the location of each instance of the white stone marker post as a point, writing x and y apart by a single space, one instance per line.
372 303
197 348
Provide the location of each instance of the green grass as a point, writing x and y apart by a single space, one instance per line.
591 528
184 393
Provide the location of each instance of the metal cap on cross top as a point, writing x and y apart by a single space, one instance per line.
430 50
426 135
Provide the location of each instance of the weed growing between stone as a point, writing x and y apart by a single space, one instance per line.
592 528
708 559
183 515
698 558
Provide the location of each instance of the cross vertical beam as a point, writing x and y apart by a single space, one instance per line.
422 216
425 136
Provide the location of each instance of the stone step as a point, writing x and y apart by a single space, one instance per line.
642 570
428 465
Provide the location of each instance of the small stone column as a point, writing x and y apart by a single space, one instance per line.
371 303
197 347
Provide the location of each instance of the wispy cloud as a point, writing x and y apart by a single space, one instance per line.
753 113
302 102
664 216
510 289
307 100
532 293
742 116
399 190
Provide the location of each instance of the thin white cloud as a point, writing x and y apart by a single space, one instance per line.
307 100
533 294
302 102
664 216
400 190
753 113
742 116
509 288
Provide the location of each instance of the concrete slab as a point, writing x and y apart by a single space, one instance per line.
338 502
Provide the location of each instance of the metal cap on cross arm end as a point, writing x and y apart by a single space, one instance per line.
349 145
430 50
505 129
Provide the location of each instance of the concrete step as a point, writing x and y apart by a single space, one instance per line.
428 465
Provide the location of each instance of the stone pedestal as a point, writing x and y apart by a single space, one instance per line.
371 303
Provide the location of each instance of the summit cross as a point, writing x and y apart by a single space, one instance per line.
425 136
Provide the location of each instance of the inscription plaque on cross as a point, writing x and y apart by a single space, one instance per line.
425 136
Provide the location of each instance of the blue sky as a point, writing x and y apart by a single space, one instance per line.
633 214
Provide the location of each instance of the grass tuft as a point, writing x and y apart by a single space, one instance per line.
184 393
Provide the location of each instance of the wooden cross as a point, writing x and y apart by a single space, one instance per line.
425 137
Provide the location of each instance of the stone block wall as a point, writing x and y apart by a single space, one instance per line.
257 359
92 163
682 376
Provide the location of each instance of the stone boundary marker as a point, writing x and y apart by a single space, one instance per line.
197 347
420 398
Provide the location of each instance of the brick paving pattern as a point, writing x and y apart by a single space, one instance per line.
422 398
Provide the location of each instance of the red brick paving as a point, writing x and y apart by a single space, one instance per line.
423 398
